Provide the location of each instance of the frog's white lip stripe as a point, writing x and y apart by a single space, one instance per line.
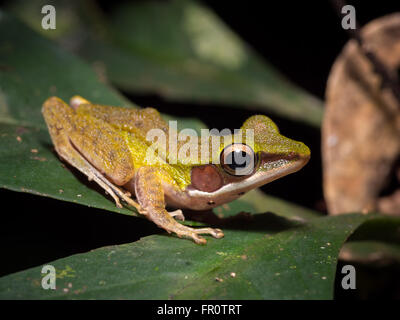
200 200
258 179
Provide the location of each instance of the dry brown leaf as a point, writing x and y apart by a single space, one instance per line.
390 204
361 126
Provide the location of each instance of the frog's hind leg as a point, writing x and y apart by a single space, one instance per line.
150 195
92 173
62 125
76 160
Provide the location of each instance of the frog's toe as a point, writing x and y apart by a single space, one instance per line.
194 234
198 239
178 214
116 199
216 233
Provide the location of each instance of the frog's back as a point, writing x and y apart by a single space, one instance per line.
139 121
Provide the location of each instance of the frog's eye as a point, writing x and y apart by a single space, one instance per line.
238 159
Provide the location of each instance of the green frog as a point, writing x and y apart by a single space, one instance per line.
115 147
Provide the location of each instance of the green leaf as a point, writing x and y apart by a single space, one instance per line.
27 80
257 201
187 53
371 253
27 162
376 242
178 49
33 69
270 258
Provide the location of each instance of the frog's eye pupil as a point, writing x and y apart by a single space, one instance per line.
238 159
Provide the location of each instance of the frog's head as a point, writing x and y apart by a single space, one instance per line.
245 166
274 155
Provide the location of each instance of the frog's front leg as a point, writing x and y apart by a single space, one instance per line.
178 214
150 195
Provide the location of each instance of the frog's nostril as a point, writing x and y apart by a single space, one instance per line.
302 150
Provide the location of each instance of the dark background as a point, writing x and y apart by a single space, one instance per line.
302 40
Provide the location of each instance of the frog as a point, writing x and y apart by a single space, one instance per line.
110 145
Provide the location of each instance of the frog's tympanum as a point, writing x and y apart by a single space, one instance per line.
111 146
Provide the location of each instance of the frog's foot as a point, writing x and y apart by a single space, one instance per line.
178 214
164 220
126 196
192 233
